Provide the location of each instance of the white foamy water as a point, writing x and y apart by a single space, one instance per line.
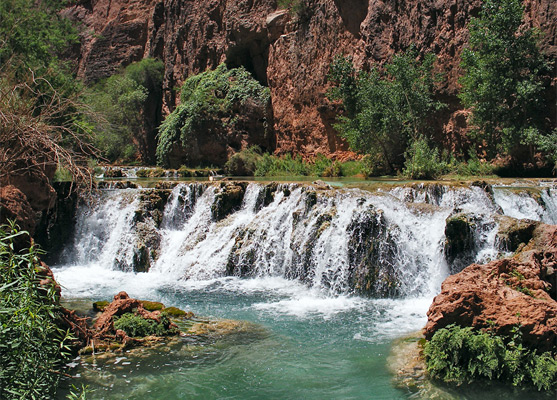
297 253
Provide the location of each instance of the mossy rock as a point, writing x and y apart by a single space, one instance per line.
228 200
152 305
513 232
460 246
266 196
100 305
175 312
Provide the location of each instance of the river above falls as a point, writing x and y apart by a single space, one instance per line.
293 266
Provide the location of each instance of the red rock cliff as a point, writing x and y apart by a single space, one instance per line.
291 54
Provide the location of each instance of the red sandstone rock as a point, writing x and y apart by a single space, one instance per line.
14 206
291 54
122 303
505 293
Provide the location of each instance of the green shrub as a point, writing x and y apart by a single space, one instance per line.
459 355
206 97
62 175
33 348
334 170
185 172
423 162
243 163
472 167
137 326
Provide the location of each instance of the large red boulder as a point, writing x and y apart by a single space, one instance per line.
504 294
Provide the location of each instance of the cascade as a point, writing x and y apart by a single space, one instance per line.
391 242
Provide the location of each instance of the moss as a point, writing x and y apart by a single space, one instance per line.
152 305
177 313
100 305
142 173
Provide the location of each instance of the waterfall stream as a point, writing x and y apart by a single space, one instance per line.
348 267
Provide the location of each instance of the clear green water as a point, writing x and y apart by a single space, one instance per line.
299 344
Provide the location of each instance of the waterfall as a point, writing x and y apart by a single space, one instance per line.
390 242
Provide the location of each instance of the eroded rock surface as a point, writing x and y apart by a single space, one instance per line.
289 53
504 294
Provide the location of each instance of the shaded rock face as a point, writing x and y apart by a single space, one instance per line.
290 54
220 136
506 293
371 252
229 199
56 224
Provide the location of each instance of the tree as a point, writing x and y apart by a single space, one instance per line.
386 109
503 81
122 101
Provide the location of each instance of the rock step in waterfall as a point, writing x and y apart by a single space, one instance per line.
396 241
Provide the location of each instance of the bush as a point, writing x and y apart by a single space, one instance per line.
423 162
33 348
243 163
460 355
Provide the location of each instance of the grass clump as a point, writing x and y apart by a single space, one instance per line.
270 165
462 355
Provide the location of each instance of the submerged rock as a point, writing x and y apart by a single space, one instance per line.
517 292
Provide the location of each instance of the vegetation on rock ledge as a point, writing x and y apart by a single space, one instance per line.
462 355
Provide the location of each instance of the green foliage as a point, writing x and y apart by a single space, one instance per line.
385 109
137 326
546 143
459 355
423 162
62 175
243 163
32 35
473 167
270 165
220 93
503 77
120 100
33 349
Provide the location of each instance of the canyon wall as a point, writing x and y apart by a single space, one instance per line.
289 52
